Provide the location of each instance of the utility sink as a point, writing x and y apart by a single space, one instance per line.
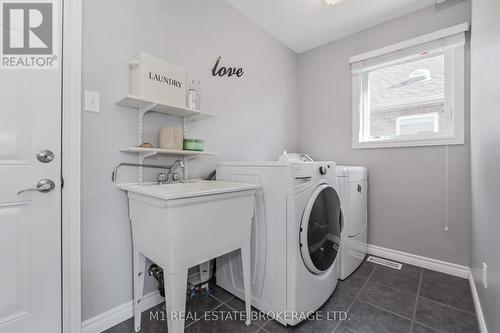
181 225
186 189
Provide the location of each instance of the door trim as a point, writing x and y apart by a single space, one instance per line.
71 155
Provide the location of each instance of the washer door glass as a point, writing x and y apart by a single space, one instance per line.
320 229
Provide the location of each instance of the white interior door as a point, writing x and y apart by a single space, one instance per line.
30 222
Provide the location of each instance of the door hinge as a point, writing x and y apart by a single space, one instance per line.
62 182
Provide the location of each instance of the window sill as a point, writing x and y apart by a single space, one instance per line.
395 143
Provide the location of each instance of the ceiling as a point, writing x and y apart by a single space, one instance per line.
306 24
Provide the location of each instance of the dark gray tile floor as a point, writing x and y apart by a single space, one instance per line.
375 299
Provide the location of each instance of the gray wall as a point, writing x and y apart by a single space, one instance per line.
485 154
407 185
256 114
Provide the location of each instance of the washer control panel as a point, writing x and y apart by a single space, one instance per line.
307 171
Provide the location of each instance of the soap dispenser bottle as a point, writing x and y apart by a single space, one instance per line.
198 95
192 96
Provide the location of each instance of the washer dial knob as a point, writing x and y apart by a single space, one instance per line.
322 170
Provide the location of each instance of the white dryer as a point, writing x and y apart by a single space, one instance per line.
353 190
295 237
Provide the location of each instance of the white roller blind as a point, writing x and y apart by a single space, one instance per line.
422 46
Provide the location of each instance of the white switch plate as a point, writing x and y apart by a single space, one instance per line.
92 101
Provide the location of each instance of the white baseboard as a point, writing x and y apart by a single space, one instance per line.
118 314
477 304
424 262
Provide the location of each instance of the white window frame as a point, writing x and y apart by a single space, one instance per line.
433 115
409 51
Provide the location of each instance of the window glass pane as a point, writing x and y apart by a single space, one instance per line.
401 95
417 124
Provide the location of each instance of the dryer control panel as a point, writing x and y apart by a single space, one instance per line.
308 171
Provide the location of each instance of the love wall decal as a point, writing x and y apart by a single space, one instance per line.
219 70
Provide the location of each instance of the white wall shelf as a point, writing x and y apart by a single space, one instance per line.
146 105
148 152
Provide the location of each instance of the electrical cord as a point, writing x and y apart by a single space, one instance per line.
446 227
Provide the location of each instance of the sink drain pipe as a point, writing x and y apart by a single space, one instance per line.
156 272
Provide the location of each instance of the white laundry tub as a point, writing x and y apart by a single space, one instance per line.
181 225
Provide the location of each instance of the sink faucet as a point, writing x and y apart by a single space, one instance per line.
114 175
170 174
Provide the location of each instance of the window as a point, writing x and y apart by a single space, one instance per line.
412 93
417 124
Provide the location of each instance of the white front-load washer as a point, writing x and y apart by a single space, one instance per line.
295 237
353 191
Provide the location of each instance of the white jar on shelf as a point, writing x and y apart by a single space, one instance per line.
171 138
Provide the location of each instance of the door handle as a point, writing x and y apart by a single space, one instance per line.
43 185
45 156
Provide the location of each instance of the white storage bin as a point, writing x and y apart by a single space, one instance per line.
157 80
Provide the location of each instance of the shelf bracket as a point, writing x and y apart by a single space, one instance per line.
149 154
142 113
193 118
197 117
192 157
149 107
141 126
185 158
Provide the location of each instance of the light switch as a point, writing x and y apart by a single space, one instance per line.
91 101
